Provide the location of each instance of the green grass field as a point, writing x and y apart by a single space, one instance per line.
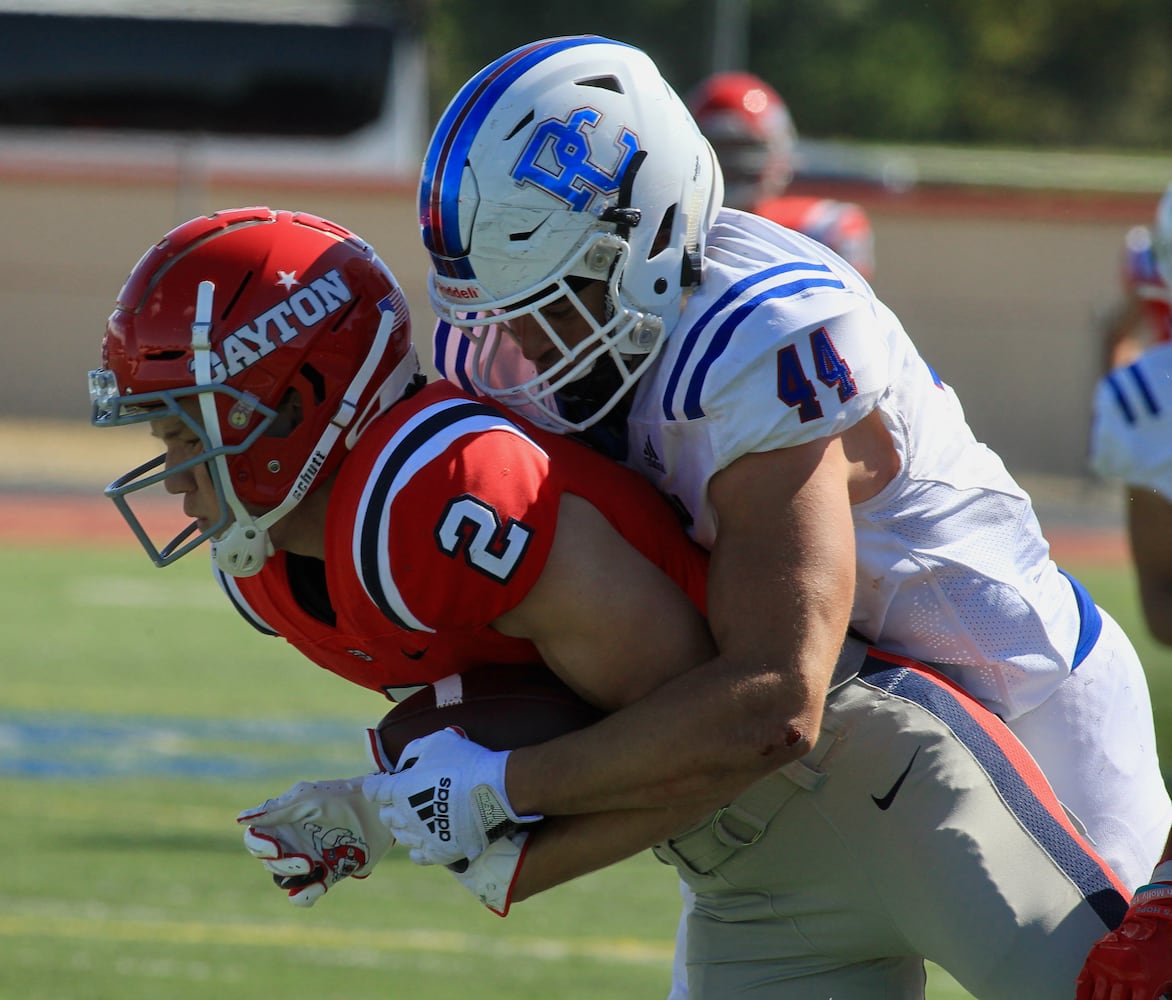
124 876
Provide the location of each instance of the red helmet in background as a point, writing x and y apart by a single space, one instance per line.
749 126
276 337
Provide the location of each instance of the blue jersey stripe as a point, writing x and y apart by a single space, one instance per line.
1084 869
443 167
1120 397
457 372
1090 620
1145 390
720 342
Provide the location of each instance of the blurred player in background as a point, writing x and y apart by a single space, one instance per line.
394 532
1143 316
1131 441
750 128
578 239
1131 428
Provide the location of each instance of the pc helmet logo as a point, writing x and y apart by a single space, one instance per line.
559 159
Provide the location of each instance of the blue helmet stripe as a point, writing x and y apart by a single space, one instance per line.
443 166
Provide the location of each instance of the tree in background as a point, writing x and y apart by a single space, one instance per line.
1059 73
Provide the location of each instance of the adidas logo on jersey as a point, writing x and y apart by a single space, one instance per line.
651 457
431 806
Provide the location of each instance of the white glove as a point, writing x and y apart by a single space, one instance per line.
315 835
491 877
447 801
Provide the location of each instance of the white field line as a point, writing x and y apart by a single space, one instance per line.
33 918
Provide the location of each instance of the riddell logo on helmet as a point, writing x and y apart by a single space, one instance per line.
279 324
457 291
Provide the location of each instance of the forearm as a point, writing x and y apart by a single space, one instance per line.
700 740
779 606
568 847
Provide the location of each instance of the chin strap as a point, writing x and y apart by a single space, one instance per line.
245 544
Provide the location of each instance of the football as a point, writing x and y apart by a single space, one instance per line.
502 707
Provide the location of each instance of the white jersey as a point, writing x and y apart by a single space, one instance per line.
784 343
1131 429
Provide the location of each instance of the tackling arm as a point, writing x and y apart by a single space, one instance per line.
692 727
780 590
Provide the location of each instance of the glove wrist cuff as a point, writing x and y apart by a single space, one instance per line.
491 799
1154 892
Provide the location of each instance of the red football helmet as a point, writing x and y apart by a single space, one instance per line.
749 126
253 314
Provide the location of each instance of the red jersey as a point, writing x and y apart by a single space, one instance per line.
440 520
840 225
1142 280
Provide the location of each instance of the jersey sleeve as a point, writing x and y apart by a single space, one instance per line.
824 370
455 526
1131 426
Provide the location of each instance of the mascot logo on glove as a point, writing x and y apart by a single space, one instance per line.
342 850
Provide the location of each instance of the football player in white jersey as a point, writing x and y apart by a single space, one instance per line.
573 214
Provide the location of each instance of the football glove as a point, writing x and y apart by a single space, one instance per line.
491 877
1134 961
446 802
315 835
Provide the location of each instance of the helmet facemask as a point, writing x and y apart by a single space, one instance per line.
624 338
111 409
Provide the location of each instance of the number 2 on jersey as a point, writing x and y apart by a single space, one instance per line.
795 388
473 527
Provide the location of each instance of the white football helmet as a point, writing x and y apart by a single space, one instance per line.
566 160
1162 237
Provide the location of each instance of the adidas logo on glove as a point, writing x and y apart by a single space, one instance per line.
431 806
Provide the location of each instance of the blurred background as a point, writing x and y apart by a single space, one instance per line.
1001 150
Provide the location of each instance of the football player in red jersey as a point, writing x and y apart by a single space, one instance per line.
396 532
750 128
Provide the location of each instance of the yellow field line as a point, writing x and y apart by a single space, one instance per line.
627 951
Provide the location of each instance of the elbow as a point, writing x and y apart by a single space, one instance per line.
786 736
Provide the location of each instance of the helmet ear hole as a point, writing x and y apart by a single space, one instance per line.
663 234
316 382
289 415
